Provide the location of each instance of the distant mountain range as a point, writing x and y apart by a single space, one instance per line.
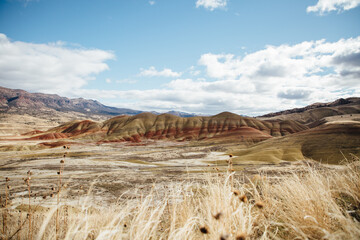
22 102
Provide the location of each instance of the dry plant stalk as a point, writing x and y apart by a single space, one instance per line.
62 162
5 212
230 170
27 181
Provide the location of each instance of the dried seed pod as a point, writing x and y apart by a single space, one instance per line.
243 198
204 230
236 192
241 236
224 236
259 204
217 216
7 179
62 161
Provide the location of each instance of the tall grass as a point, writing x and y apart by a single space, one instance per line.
307 202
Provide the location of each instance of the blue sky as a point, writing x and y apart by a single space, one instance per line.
204 56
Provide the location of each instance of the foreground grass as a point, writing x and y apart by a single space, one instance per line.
308 202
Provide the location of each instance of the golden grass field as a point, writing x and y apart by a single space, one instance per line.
304 201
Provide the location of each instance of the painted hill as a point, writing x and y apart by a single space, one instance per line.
171 127
313 114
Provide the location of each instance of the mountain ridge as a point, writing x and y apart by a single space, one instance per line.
315 112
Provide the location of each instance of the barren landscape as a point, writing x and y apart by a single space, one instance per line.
146 159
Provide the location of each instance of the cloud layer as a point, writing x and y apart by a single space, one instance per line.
152 72
324 6
275 78
51 68
271 79
211 4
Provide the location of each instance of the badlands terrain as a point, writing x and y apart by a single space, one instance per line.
136 151
104 156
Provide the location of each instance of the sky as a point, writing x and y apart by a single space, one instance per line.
250 57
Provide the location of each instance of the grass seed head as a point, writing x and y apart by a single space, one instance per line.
62 161
7 179
230 155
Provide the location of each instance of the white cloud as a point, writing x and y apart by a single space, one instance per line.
271 79
324 6
211 4
50 68
152 72
151 2
108 80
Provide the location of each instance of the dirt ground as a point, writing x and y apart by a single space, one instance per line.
108 171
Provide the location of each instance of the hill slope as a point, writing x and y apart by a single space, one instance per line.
328 143
170 127
313 114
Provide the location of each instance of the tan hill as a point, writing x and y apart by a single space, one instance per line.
328 143
170 127
313 115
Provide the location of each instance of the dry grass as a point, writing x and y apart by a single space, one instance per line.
308 203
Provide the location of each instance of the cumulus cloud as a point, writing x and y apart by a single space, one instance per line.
151 2
50 68
296 65
152 72
274 78
211 4
324 6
